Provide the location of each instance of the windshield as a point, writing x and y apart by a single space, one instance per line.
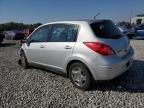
106 29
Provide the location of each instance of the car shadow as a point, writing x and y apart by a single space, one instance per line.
132 81
7 44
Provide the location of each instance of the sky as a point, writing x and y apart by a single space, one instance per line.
33 11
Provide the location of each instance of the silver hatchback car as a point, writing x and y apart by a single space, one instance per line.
85 50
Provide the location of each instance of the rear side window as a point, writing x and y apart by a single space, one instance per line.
106 29
63 33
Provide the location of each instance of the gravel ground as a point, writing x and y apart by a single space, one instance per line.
37 88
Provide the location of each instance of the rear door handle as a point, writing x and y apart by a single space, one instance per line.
68 47
42 46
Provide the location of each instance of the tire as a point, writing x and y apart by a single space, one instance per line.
1 39
80 76
23 60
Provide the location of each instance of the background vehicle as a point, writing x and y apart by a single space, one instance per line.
9 34
139 32
22 34
19 36
16 34
84 50
123 29
1 37
126 31
136 32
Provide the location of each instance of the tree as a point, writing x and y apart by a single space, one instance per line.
17 26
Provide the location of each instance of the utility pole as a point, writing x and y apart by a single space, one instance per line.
130 17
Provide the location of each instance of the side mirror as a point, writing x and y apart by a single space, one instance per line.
28 41
23 41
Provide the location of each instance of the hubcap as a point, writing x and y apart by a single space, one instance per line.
78 76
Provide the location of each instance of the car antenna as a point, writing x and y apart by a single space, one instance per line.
96 15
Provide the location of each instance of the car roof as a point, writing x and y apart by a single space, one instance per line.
90 21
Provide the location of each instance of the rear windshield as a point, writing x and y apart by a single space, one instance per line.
106 29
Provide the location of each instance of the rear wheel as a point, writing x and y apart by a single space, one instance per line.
80 76
23 60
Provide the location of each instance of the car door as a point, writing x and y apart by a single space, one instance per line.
61 45
35 47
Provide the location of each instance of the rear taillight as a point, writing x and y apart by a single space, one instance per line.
100 48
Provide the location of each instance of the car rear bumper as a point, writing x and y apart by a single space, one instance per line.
111 71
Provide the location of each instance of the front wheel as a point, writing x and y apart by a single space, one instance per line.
80 76
23 60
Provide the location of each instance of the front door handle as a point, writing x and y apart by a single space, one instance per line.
42 46
68 47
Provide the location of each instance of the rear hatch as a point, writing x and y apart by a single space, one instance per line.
108 33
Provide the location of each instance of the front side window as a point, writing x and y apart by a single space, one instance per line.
40 35
63 33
